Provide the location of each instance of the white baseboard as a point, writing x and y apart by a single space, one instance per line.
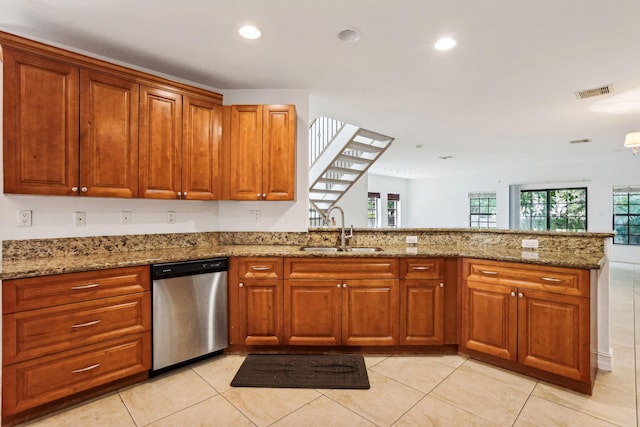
605 361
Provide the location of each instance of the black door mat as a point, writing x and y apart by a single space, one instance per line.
302 371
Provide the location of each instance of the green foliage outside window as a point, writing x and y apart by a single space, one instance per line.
554 210
626 217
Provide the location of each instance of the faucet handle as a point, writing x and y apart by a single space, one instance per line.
350 235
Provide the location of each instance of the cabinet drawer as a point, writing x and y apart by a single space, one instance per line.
47 291
421 268
259 268
570 281
35 333
46 379
336 268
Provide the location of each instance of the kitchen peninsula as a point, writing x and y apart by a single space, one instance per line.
476 292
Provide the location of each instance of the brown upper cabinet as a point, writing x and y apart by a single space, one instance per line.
260 143
180 146
74 125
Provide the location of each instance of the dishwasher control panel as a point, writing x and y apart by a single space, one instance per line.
188 268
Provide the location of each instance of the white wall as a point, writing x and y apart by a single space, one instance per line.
354 204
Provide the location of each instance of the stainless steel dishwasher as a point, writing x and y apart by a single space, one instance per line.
189 311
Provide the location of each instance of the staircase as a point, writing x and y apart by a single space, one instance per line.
339 155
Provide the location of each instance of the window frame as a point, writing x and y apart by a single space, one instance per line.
376 211
626 237
486 219
548 218
393 198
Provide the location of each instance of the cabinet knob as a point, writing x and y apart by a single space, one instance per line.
264 195
520 295
258 195
442 285
344 286
185 194
179 193
74 189
83 189
339 285
513 294
241 285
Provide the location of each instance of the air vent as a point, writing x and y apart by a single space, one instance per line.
580 141
590 93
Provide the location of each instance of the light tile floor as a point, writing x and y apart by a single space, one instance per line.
405 391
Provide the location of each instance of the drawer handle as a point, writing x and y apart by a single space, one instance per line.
88 368
551 279
82 325
422 268
89 286
260 268
488 272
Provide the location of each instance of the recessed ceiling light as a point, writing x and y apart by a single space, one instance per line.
250 32
445 43
349 35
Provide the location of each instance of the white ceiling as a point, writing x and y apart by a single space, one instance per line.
503 96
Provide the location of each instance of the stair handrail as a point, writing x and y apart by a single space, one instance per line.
321 132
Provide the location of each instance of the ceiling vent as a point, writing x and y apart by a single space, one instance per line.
590 93
580 141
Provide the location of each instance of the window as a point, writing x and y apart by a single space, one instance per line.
393 210
563 209
626 215
373 210
482 210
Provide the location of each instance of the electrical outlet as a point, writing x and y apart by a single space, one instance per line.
255 214
80 219
126 217
412 239
171 217
530 243
24 218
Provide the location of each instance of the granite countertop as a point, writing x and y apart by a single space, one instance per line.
13 269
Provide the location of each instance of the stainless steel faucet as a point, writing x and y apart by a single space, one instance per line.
343 235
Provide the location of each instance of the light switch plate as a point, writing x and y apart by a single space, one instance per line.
412 239
126 217
530 243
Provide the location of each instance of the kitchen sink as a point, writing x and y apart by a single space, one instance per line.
367 249
339 249
320 249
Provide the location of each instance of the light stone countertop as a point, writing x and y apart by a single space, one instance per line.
12 269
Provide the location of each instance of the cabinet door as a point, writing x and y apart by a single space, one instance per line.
278 158
370 312
312 314
489 319
260 312
40 125
201 149
109 135
421 312
160 143
553 333
246 153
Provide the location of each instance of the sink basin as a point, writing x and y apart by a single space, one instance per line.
338 249
369 249
320 249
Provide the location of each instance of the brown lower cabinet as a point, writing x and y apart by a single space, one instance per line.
72 333
335 302
535 319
